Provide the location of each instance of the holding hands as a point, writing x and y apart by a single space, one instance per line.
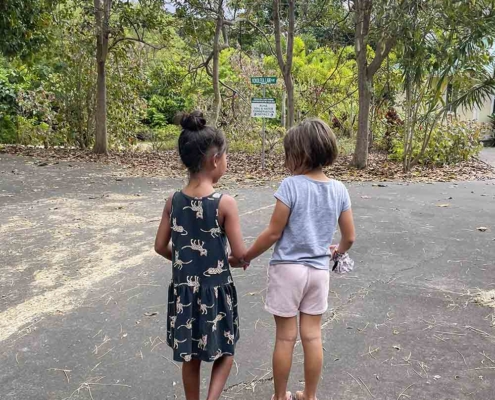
238 263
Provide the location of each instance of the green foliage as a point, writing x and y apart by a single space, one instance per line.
8 130
33 132
346 146
164 138
166 92
450 143
166 133
492 121
48 96
24 26
8 92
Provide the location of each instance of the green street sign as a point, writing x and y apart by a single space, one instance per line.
263 80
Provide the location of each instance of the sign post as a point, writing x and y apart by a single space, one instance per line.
264 108
263 135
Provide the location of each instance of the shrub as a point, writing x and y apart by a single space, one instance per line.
8 131
166 133
450 143
454 142
165 138
33 132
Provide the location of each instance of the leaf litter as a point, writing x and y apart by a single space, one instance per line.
245 168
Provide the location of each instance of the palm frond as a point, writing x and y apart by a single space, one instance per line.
481 90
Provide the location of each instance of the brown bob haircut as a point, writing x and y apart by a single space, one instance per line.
310 145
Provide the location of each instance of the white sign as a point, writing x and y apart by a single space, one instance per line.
263 107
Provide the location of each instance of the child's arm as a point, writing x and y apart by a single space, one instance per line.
346 225
271 234
229 212
162 240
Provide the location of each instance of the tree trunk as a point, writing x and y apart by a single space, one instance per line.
365 74
363 12
407 125
290 101
283 117
101 140
102 15
225 34
361 151
286 65
217 101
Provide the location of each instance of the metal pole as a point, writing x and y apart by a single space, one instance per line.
263 137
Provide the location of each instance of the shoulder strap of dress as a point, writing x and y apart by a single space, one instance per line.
174 200
217 197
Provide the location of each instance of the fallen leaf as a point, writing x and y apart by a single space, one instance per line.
396 347
245 168
482 228
443 205
151 314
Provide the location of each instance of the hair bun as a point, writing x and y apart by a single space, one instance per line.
194 121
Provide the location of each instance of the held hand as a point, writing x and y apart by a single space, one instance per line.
333 250
236 263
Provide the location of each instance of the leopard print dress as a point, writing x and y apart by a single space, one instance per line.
202 323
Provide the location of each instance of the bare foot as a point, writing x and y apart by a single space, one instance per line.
300 396
288 396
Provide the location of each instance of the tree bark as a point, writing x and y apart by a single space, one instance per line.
101 140
365 75
283 119
286 65
102 15
361 151
217 101
407 126
225 34
363 15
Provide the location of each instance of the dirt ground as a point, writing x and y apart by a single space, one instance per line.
83 296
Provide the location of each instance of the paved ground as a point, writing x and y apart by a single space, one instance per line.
488 155
80 286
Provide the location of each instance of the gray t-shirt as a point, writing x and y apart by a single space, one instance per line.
315 208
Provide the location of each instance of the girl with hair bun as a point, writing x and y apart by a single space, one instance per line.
196 227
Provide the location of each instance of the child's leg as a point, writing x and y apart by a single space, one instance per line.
219 375
282 355
190 379
310 329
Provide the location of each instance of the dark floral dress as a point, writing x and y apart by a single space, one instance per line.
202 322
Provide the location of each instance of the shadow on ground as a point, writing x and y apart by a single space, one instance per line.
83 296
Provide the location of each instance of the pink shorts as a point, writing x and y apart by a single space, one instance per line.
296 287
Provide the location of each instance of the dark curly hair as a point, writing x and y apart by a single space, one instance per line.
198 140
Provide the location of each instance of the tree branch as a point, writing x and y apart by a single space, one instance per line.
265 36
380 55
278 34
290 37
210 73
131 39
